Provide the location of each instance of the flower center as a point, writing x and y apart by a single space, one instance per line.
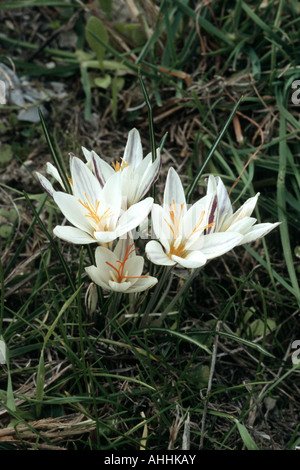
117 274
92 213
120 166
179 247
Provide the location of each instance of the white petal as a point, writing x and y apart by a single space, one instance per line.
102 170
103 256
150 176
258 231
130 186
224 204
195 219
119 286
72 210
244 211
111 198
46 185
173 189
132 181
211 185
106 236
143 284
134 266
95 275
242 226
133 153
51 170
160 228
216 244
87 153
73 235
85 184
194 259
134 216
121 247
156 254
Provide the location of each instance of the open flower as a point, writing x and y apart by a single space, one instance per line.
137 173
181 231
95 211
120 270
225 220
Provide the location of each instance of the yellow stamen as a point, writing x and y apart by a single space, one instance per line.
93 212
175 218
70 180
178 247
120 166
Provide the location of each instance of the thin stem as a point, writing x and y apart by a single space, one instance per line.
209 385
155 296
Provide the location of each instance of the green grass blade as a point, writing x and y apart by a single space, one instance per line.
194 183
59 163
150 116
246 438
53 244
281 201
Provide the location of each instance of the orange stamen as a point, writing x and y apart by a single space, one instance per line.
121 268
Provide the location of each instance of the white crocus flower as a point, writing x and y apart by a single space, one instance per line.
120 270
181 230
137 173
96 212
225 220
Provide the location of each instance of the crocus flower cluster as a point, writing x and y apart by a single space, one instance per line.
108 202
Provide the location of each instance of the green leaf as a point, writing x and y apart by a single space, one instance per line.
190 339
257 327
5 231
6 154
40 383
103 82
246 438
106 6
95 26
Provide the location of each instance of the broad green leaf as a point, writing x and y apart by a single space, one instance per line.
257 327
98 29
